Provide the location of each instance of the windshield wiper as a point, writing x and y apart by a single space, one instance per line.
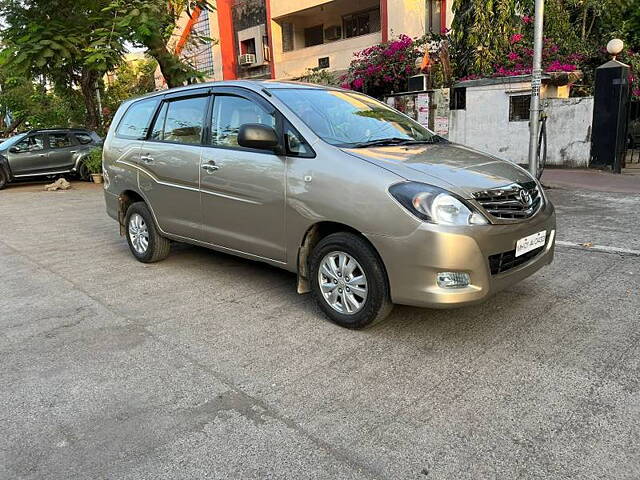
392 141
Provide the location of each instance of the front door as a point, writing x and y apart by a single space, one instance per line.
242 190
61 151
29 155
169 163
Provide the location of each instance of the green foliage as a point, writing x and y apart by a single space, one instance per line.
150 24
320 76
94 161
480 34
131 79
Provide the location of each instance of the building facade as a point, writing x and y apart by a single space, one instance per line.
285 38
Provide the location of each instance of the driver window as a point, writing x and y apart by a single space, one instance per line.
33 143
230 113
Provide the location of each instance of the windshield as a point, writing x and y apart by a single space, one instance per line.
350 119
10 142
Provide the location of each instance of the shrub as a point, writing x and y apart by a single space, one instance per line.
94 160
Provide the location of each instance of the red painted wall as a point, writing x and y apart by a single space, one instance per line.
227 40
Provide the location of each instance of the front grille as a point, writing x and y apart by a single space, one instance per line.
516 201
502 262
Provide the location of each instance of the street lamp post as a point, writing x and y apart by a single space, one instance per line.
536 83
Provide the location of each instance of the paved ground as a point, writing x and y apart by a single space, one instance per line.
594 180
208 366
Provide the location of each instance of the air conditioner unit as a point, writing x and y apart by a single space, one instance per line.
333 32
417 83
247 59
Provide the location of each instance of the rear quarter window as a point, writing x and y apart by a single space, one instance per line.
135 122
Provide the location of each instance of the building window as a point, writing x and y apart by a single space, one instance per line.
313 36
458 99
519 108
434 16
361 23
287 36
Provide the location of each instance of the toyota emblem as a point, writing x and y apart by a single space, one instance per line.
525 197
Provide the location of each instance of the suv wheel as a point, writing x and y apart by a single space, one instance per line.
146 244
3 179
349 282
83 172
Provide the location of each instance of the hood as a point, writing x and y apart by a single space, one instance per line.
447 165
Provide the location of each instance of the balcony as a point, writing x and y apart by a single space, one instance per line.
324 36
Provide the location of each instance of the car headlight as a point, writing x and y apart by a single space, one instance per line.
435 205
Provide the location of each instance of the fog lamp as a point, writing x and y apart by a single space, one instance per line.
453 279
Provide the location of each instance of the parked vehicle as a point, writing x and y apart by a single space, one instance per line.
368 207
46 153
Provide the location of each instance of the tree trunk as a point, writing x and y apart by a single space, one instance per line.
13 126
88 87
169 64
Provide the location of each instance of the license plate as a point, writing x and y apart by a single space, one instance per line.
526 244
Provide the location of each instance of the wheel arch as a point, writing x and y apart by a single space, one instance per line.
125 200
312 236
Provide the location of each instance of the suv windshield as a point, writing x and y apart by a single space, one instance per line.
10 142
350 119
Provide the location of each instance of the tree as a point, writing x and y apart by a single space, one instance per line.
480 33
67 44
150 24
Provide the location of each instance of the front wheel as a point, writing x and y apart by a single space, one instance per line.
3 179
349 282
146 244
83 172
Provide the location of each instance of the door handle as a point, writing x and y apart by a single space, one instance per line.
146 158
210 167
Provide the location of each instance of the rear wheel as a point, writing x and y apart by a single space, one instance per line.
3 179
349 282
146 244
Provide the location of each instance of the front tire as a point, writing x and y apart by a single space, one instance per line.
349 282
146 244
3 179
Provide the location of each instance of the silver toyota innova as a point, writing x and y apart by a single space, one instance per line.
368 207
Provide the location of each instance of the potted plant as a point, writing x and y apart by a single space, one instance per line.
94 164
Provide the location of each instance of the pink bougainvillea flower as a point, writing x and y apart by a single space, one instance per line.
358 83
513 56
516 37
526 19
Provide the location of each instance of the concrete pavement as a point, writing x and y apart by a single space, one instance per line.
209 366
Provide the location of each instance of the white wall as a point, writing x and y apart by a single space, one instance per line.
485 125
569 131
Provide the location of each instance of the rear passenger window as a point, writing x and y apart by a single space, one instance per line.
135 123
83 138
59 140
181 121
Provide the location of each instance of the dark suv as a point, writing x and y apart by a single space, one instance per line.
50 152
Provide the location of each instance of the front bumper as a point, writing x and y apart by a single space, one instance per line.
413 262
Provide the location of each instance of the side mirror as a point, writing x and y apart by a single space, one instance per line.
14 150
255 135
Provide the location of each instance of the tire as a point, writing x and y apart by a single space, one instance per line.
374 306
83 172
3 179
139 221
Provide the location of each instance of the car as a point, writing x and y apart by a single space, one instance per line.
46 153
365 205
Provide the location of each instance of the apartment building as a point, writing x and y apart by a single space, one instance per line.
284 38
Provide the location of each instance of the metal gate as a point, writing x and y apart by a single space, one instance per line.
632 153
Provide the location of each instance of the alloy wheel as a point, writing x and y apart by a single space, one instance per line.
138 233
343 282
